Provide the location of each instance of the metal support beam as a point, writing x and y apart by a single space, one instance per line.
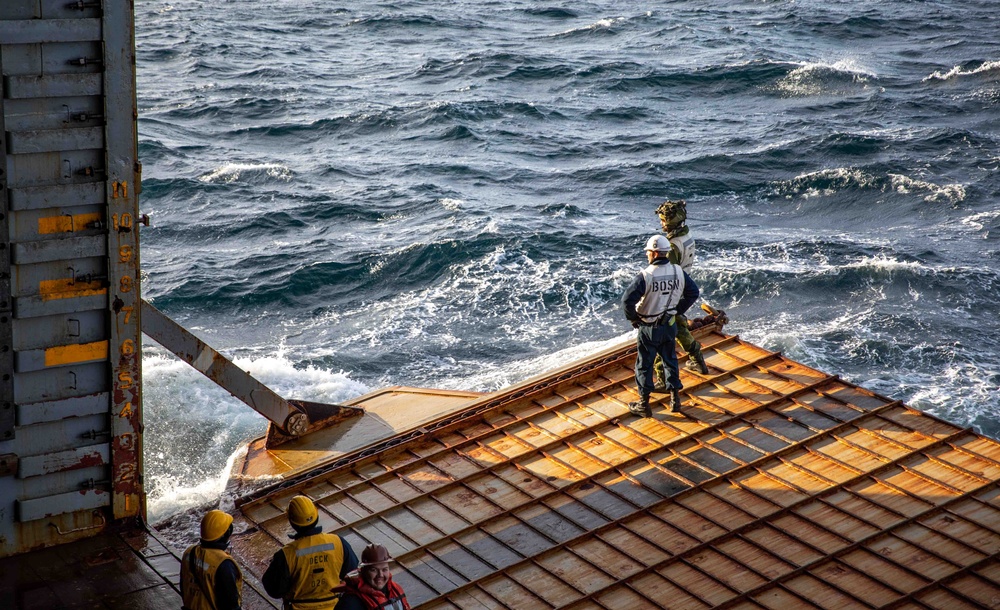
125 349
292 417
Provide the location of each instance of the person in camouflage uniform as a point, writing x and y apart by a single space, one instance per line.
673 220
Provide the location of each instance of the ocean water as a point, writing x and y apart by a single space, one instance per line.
346 196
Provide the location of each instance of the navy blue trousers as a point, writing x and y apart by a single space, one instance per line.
653 340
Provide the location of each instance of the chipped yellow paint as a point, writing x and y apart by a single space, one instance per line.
68 289
83 352
66 223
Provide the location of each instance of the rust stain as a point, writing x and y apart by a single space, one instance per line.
91 459
85 461
126 485
67 288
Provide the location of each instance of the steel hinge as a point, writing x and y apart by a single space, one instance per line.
8 464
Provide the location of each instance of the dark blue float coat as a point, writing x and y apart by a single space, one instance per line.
637 289
654 338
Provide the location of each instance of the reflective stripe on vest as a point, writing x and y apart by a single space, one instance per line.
664 287
198 568
314 564
685 250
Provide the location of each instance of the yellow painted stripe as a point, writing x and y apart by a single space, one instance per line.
66 223
83 352
68 289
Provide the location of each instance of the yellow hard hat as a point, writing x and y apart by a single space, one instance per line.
302 512
214 525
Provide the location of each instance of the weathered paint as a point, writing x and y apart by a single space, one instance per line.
67 223
68 142
122 171
56 196
69 354
68 288
61 461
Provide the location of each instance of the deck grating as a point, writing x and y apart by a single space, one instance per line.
776 486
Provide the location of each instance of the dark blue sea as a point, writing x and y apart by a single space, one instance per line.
346 196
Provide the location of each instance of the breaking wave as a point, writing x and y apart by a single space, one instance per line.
244 172
188 459
827 182
823 78
987 67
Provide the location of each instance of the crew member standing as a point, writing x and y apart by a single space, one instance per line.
210 579
651 303
673 221
372 588
306 570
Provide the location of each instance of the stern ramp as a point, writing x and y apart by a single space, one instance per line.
775 486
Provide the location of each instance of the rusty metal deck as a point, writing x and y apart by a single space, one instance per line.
386 412
124 568
776 486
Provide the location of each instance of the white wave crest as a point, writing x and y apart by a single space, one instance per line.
231 172
776 258
827 182
881 262
600 24
979 221
952 193
958 72
813 78
805 185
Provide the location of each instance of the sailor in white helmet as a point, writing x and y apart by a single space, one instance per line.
658 294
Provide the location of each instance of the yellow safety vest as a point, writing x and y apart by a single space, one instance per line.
198 568
314 564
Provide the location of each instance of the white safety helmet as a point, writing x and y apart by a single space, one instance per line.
658 243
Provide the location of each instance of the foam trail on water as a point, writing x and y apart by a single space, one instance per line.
193 425
489 379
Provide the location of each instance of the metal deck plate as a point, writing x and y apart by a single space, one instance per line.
776 486
124 570
386 412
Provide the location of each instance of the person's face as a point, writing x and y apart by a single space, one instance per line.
376 575
650 255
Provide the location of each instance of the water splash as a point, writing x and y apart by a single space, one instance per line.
235 172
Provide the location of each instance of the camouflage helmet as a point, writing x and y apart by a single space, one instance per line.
672 213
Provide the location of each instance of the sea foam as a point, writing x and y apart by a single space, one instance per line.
958 72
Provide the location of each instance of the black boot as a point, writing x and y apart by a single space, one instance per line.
641 407
696 361
675 401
